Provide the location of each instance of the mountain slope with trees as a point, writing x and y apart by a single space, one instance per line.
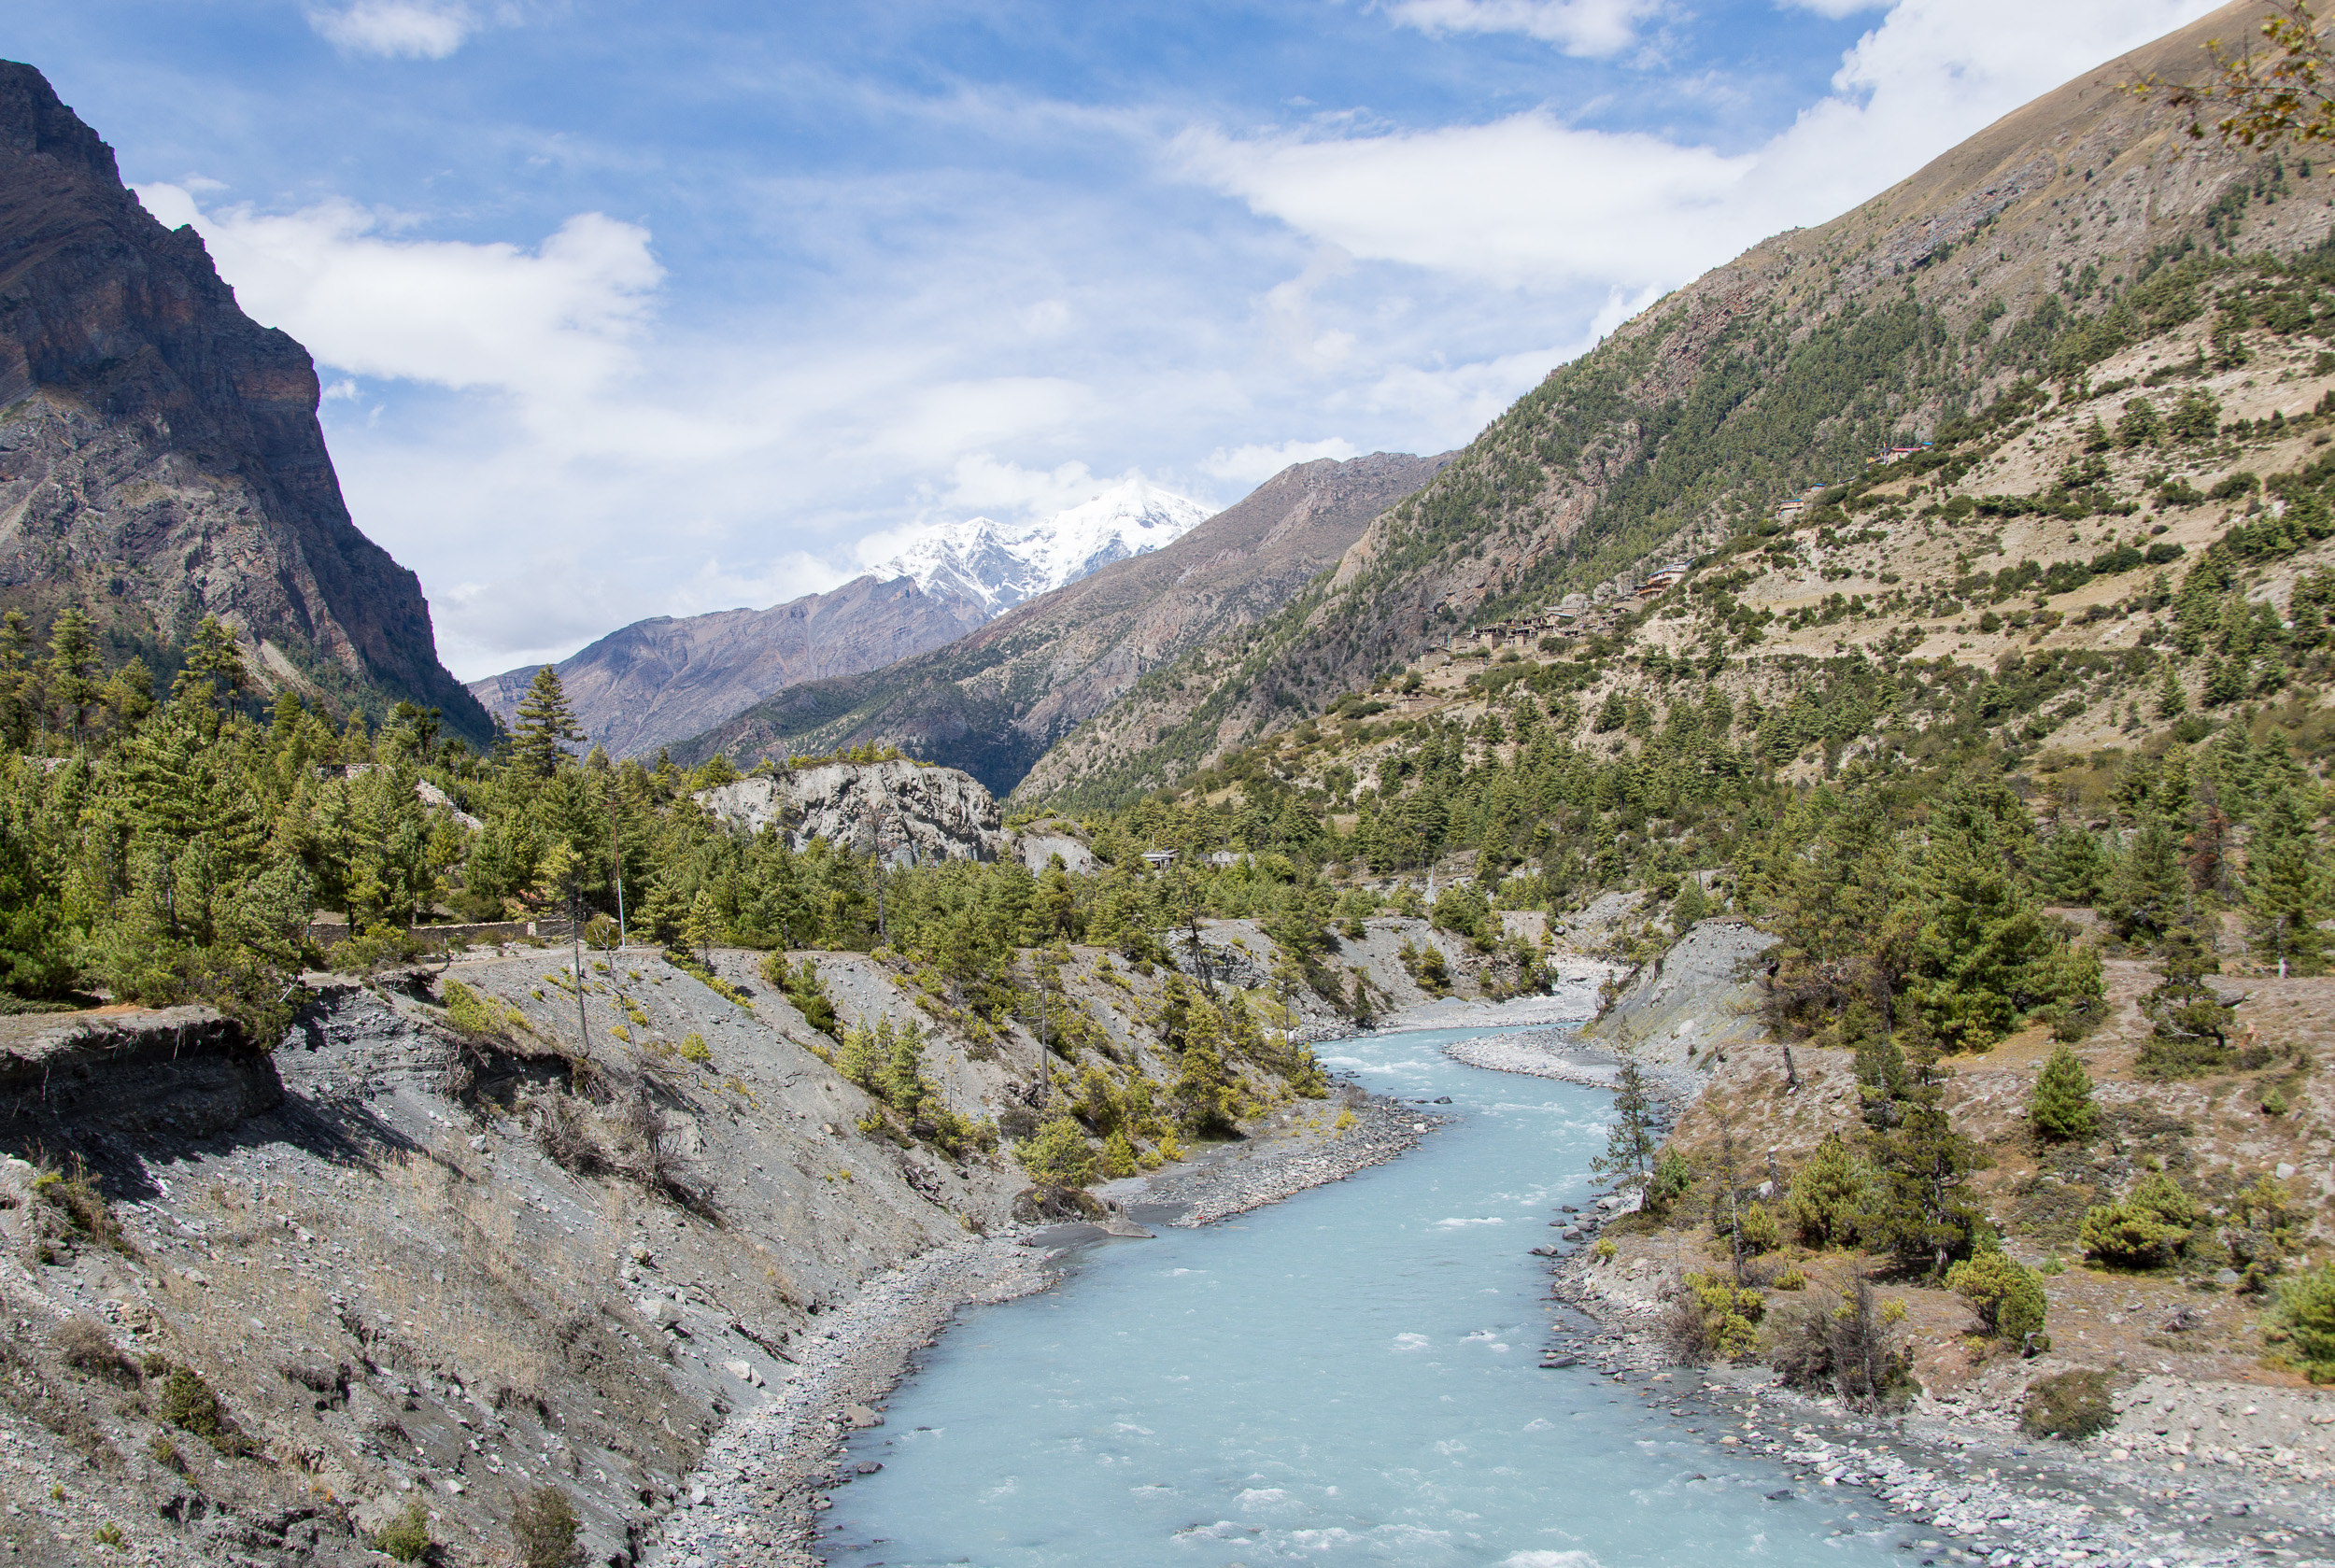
2015 256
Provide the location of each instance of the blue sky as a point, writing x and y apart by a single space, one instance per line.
627 310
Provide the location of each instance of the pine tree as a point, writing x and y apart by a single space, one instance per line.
703 926
2146 889
546 725
1636 1132
1917 1210
2172 701
2285 897
213 667
1826 1195
2060 1109
2074 868
2192 1033
72 670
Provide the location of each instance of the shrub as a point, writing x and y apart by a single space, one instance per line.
2152 1223
472 1013
545 1528
187 1404
1711 1319
72 1198
1790 1280
2304 1319
407 1537
2068 1404
802 988
1059 1154
1670 1181
83 1344
693 1049
1826 1195
1854 1347
2061 1108
2007 1296
1604 1250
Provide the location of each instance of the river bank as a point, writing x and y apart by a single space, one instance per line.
1982 1489
768 1474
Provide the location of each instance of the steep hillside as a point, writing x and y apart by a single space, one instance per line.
992 702
659 681
2015 254
159 456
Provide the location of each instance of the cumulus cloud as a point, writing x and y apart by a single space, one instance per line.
410 29
1579 27
1532 201
1252 464
550 324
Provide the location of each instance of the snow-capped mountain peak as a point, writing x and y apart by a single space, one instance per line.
1000 564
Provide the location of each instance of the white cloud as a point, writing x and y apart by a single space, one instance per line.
1253 463
411 29
1836 9
1531 201
1580 28
551 324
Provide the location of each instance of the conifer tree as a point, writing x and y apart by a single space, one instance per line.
703 926
1917 1210
2060 1109
2192 1021
546 725
1635 1131
2284 896
72 670
213 667
2073 868
2146 889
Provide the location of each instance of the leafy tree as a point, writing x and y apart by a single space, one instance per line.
2061 1108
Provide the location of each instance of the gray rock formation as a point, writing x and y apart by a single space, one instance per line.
1697 996
906 810
159 456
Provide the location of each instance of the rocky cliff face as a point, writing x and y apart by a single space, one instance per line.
659 681
992 702
159 456
907 810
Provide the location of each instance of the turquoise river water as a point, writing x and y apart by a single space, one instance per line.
1349 1377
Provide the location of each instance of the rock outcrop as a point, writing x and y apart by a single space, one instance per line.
993 701
160 455
908 811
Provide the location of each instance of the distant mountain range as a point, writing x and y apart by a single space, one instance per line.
993 701
159 456
657 682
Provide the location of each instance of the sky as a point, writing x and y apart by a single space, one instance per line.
626 310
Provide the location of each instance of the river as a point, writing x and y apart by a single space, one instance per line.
1348 1376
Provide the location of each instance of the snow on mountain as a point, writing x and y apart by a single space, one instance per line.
999 565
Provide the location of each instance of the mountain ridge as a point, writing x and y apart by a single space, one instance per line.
664 679
993 701
160 453
1791 364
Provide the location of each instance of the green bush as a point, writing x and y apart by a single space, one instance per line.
187 1404
2068 1404
2147 1228
545 1528
2304 1320
1826 1195
1059 1154
407 1537
2007 1296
